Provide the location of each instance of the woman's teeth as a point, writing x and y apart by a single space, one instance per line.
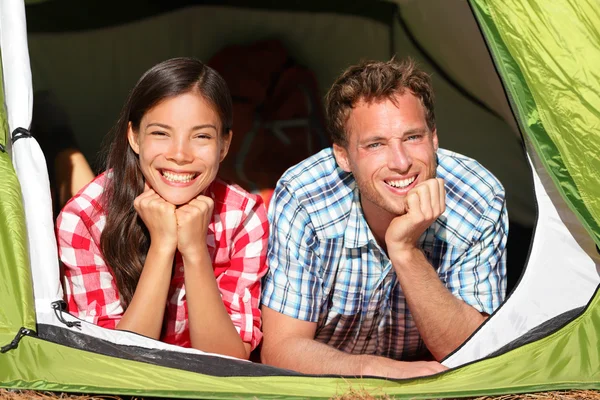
401 184
179 178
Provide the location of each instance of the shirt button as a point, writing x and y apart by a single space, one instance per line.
247 296
93 312
180 269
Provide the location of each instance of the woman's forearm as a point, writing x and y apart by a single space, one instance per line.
146 311
211 328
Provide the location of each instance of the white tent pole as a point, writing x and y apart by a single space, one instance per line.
27 157
18 94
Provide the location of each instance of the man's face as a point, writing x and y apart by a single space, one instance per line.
389 150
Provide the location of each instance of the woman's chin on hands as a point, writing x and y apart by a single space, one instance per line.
193 219
159 217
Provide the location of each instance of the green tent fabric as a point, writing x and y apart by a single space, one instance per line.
560 361
549 75
17 296
559 122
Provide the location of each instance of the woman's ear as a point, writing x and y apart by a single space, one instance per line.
225 142
133 139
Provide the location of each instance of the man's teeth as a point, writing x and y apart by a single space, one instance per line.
402 183
180 178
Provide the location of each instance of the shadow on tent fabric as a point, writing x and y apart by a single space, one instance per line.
517 246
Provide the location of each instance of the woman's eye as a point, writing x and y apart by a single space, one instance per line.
203 136
158 133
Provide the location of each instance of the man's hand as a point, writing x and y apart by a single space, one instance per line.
424 204
443 320
193 219
159 217
380 366
289 343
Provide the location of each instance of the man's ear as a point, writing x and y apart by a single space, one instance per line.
225 142
341 156
434 138
133 139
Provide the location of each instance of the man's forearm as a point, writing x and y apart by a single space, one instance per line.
443 320
311 357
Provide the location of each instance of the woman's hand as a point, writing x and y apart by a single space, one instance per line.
192 226
159 217
145 313
211 327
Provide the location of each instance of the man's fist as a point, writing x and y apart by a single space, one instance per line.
424 204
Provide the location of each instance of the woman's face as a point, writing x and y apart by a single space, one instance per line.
180 147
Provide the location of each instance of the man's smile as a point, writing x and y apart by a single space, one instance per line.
401 183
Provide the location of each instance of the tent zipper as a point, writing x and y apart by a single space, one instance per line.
15 342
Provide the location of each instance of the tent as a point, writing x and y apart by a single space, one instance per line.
539 88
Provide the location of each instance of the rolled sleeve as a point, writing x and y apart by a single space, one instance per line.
292 286
89 284
241 283
479 276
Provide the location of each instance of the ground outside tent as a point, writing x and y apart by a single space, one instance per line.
351 395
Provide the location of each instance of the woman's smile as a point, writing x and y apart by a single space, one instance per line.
178 177
180 146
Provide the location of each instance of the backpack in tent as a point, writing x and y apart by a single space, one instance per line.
534 62
278 117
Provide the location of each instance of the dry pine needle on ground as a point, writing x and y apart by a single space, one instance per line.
352 394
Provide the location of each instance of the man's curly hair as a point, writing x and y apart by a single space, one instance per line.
373 81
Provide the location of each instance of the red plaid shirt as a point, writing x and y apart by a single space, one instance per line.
237 242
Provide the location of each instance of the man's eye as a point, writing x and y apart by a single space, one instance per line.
413 137
373 145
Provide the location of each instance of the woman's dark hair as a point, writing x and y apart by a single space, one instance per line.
125 240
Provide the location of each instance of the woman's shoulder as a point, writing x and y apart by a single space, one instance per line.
88 199
232 195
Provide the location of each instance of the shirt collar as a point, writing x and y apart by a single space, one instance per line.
357 233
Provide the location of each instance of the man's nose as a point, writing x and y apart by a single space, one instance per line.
179 151
399 159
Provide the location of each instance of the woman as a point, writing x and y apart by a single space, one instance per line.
157 244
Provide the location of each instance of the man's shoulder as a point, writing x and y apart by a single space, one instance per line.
471 193
316 169
465 176
317 177
321 189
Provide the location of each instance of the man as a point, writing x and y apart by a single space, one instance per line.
384 248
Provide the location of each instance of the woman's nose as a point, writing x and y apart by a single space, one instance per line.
179 152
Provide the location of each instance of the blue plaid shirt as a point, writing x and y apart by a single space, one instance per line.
325 265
